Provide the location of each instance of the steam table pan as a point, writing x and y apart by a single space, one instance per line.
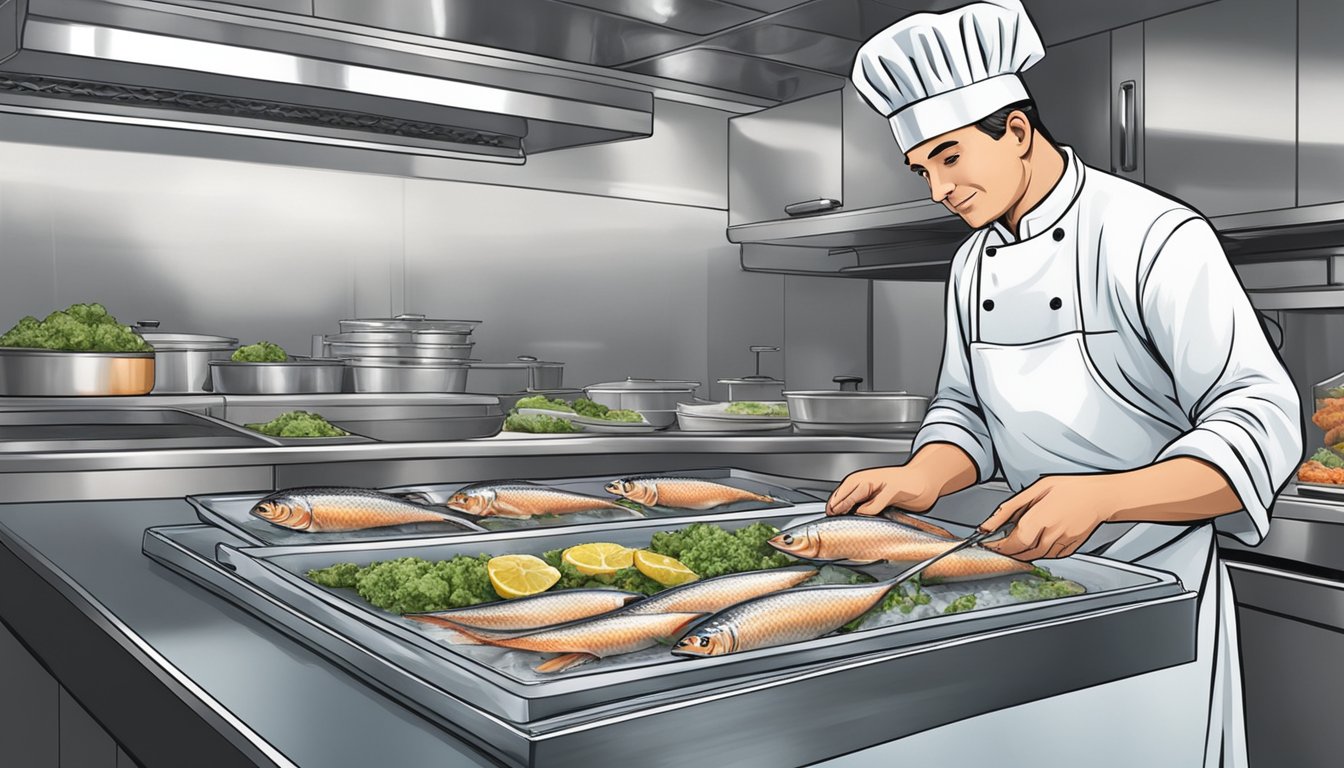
882 683
232 511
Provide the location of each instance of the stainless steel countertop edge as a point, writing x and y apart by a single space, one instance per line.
193 695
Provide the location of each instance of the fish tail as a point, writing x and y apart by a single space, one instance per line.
564 661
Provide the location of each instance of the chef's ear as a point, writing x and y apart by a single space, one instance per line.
1018 128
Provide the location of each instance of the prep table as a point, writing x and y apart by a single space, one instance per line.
178 675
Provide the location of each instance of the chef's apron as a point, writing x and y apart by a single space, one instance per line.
1049 411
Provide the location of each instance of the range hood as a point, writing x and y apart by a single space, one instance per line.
232 68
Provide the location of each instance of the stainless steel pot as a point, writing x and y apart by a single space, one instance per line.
428 337
413 374
295 376
182 360
754 388
410 348
655 399
408 322
856 412
51 373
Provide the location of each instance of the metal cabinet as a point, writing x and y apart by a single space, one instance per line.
1071 88
1220 102
875 169
1320 102
784 155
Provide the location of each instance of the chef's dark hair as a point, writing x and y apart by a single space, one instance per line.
997 124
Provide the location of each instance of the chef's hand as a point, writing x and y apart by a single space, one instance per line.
869 491
1054 515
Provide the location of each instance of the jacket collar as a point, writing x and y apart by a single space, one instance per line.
1052 207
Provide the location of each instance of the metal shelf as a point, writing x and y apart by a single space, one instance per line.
1288 299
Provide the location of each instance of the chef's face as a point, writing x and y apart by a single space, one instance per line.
976 176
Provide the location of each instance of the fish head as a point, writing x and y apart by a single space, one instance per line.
713 640
635 490
476 502
285 510
803 542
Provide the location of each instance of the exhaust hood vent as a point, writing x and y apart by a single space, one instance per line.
227 68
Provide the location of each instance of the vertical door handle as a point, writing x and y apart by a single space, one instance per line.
1129 131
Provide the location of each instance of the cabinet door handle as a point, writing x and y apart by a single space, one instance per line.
1129 131
811 206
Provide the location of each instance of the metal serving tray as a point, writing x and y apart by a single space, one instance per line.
105 429
882 683
232 512
385 417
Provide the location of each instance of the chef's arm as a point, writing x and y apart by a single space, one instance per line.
1179 490
1227 378
945 466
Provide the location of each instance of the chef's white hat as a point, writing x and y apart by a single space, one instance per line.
931 73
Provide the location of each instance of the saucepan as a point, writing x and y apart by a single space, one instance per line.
854 411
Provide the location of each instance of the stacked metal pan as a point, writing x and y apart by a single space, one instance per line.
406 353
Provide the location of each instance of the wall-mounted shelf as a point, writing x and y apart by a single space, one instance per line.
1288 299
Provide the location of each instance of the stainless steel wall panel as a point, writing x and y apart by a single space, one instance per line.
907 335
784 155
825 331
249 251
84 743
28 216
1320 102
698 17
1221 105
874 166
612 288
748 75
29 706
745 309
1071 86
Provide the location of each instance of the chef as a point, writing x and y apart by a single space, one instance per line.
1100 353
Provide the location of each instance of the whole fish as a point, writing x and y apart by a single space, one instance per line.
682 492
851 540
791 616
719 592
589 639
332 510
531 613
523 500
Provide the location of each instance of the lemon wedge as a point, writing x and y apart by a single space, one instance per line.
599 558
520 575
665 570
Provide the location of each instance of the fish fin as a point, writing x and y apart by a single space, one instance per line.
564 661
854 562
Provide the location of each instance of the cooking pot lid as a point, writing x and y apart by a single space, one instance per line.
188 341
753 380
408 322
645 385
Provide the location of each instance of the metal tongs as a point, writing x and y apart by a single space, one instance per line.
979 537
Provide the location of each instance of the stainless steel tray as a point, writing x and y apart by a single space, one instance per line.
393 417
133 429
759 708
232 511
1320 490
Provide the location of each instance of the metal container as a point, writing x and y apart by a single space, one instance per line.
655 399
182 360
526 374
754 388
296 376
408 322
855 412
409 348
51 373
406 374
428 337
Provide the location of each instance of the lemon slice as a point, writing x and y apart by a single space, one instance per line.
520 575
599 558
665 570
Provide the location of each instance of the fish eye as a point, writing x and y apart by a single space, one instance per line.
788 538
704 641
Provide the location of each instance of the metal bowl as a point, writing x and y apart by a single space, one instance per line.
408 322
51 373
523 375
296 376
832 411
656 396
414 374
182 360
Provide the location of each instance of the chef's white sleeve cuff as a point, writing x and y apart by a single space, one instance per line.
967 438
1233 451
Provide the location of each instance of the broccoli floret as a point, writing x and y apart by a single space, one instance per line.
261 352
712 551
298 424
586 407
338 576
80 328
780 410
1328 458
1030 590
961 604
540 424
541 402
412 585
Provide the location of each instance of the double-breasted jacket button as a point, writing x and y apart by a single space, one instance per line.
1055 303
988 305
1058 234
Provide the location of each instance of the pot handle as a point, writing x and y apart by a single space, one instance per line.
409 316
146 323
848 383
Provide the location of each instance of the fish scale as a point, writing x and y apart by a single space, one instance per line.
528 613
794 616
334 510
